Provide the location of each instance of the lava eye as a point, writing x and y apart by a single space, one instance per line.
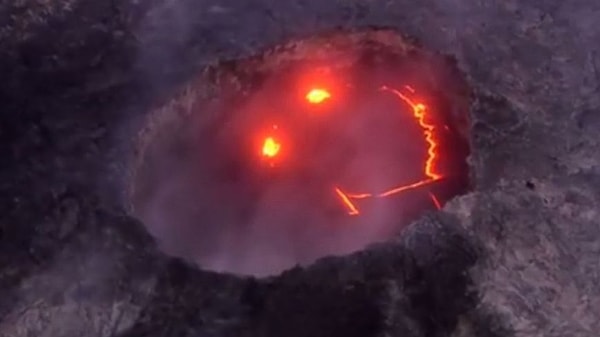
271 147
317 96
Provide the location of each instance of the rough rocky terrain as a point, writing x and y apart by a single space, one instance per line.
519 256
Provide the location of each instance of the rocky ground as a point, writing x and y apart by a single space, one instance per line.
519 256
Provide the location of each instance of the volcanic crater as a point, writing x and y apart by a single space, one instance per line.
239 130
316 147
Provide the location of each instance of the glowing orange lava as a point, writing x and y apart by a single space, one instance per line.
435 200
419 111
270 147
352 210
431 175
317 96
403 188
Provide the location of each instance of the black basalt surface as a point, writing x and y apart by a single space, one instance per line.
518 256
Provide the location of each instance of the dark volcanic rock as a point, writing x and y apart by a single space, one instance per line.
518 256
418 287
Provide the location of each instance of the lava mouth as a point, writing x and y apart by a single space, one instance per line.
307 156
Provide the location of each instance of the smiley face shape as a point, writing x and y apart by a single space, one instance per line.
320 100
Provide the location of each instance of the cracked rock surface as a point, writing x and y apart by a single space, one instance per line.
518 256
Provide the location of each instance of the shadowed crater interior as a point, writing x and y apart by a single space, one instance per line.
317 147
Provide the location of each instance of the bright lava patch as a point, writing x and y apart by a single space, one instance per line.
317 96
270 147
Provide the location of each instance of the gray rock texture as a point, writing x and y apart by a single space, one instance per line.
518 256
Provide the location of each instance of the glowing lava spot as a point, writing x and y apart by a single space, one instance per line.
271 147
317 96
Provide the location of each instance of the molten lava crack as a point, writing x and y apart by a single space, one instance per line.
420 113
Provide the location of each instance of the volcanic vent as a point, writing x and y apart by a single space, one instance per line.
317 147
